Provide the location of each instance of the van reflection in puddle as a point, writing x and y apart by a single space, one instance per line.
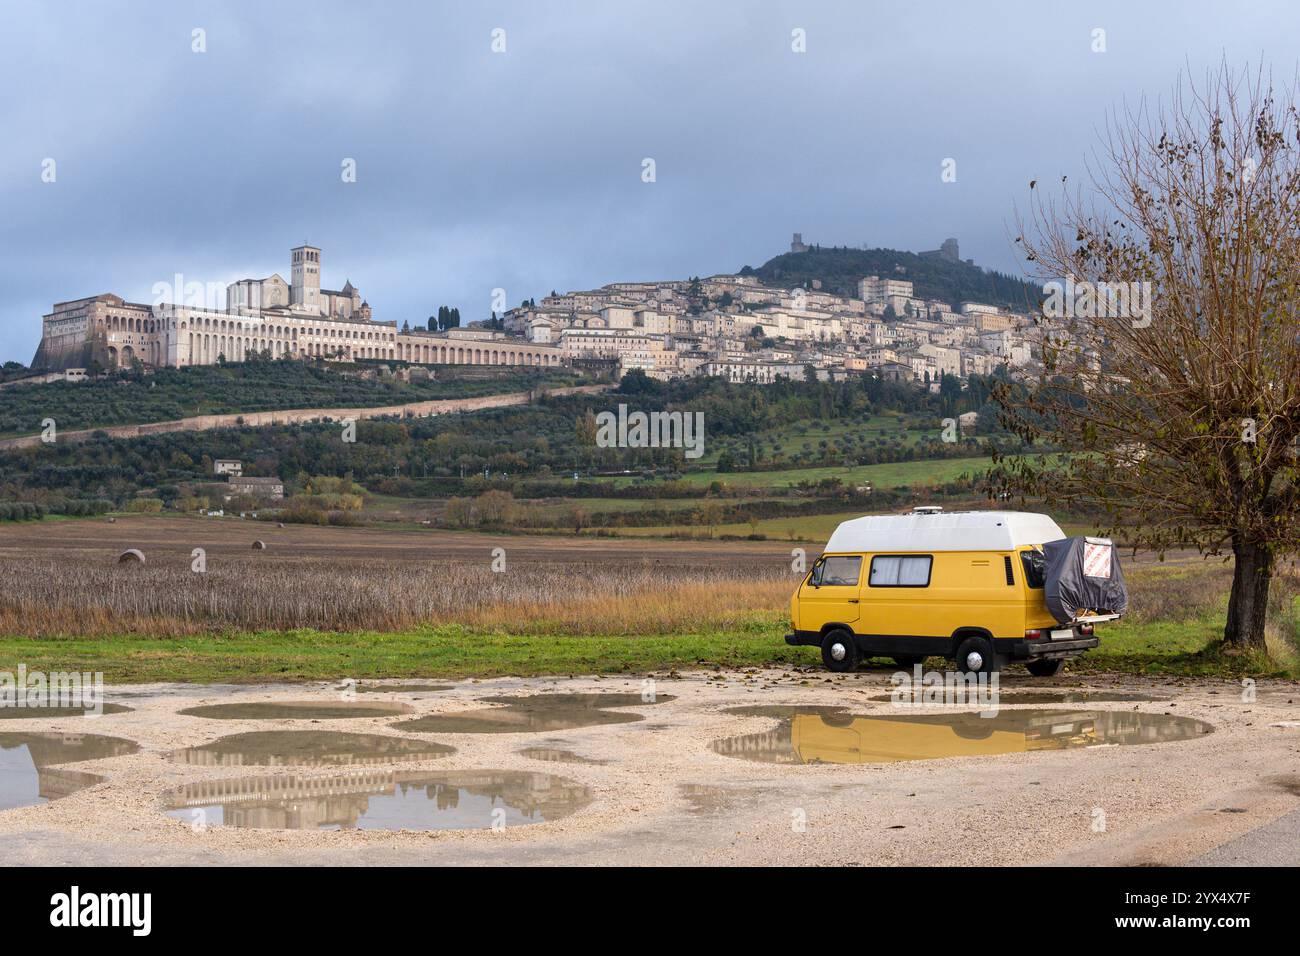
839 738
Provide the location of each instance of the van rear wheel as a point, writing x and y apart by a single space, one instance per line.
1045 668
840 651
975 655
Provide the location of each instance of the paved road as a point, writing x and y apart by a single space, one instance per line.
1274 844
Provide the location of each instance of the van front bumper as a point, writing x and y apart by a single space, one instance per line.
804 639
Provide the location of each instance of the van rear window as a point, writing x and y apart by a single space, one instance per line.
1035 567
900 571
838 572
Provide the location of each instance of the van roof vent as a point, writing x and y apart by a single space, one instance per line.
927 509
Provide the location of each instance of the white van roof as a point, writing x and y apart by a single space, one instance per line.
945 531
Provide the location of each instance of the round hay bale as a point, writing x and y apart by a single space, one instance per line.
259 545
112 521
280 524
131 556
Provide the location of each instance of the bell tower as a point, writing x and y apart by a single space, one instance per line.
305 292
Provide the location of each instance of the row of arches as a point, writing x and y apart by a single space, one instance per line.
290 332
130 323
494 354
210 337
151 353
206 349
329 350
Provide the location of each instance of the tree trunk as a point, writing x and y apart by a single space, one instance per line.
1248 603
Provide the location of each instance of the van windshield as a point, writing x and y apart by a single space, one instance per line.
838 572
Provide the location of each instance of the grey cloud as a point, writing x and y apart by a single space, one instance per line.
522 170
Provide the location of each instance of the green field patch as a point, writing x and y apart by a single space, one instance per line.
894 474
1164 649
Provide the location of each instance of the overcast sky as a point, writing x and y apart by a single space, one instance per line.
523 170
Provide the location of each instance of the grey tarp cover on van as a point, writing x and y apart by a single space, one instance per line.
1083 574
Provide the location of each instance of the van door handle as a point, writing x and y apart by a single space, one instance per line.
853 600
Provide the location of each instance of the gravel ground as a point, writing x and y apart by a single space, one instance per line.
661 795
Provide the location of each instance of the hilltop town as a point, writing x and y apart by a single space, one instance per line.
738 327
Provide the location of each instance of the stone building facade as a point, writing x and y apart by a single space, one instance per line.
295 320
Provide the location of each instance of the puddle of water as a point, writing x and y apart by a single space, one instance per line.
838 737
459 800
555 755
704 799
295 710
27 772
537 714
1080 696
401 688
307 748
11 711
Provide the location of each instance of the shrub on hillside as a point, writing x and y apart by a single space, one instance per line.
21 511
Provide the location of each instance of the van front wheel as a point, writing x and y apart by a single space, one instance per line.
975 656
839 651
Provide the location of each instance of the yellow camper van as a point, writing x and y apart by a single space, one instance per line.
968 586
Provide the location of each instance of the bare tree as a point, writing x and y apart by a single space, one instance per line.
1169 335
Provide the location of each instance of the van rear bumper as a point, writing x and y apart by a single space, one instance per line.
1044 649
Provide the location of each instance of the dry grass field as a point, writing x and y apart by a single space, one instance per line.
62 579
328 601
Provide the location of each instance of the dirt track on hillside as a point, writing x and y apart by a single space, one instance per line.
291 416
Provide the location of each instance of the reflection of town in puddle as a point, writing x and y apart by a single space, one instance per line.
1079 695
27 774
308 748
296 710
834 736
12 711
556 755
458 800
537 714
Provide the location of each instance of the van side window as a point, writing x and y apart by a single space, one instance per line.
1035 567
839 571
900 571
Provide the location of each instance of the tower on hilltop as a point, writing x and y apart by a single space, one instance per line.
305 291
